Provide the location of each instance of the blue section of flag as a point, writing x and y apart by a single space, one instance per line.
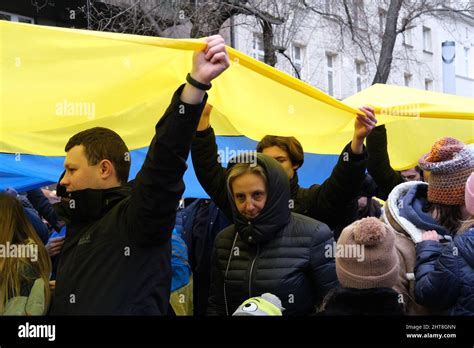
25 172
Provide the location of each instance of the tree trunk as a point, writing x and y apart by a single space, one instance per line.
268 46
388 42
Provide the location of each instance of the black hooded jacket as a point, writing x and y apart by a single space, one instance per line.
116 259
278 252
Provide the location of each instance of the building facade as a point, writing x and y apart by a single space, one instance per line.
332 62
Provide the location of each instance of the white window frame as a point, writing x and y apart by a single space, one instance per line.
256 52
427 40
359 74
408 37
330 75
298 63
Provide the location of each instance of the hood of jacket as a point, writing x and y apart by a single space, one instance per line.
391 211
275 214
412 209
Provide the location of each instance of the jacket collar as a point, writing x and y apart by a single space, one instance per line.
404 195
89 205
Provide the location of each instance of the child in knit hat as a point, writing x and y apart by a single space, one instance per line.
367 268
413 208
445 274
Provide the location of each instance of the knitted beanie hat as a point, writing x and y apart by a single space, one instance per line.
450 163
267 304
366 256
470 194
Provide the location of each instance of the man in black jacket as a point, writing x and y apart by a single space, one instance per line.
116 259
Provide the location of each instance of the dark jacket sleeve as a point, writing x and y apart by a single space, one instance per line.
216 303
379 163
43 207
37 224
211 175
159 184
437 282
333 201
323 267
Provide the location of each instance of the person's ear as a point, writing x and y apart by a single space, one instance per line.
106 169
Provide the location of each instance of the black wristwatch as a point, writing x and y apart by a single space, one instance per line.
197 84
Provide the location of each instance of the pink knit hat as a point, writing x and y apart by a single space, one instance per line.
470 194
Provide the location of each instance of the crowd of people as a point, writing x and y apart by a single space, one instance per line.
369 240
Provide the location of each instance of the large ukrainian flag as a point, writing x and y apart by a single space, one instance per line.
56 82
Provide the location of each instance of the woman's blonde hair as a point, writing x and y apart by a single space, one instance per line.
15 229
243 168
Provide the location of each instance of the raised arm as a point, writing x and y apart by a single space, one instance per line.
209 172
334 201
379 163
159 184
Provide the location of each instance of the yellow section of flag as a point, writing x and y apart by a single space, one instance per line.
56 82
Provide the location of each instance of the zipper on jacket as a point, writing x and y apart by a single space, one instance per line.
251 269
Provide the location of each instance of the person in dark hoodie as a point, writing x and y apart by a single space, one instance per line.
268 248
332 202
116 259
367 268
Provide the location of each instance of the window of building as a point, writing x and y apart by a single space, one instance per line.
466 60
407 79
382 20
257 47
360 71
298 52
428 84
359 18
427 45
408 37
330 60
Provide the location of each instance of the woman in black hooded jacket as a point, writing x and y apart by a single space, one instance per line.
269 248
333 202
